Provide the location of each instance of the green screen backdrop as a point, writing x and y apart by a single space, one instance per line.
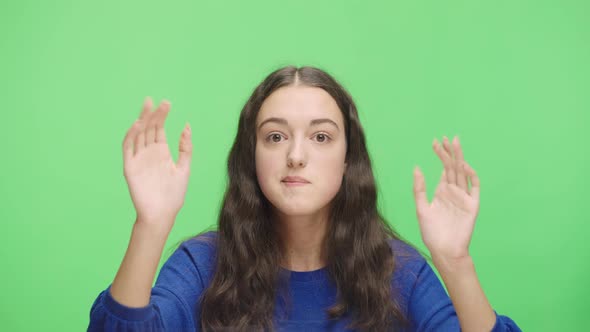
511 78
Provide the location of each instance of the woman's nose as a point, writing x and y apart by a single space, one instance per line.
296 155
295 162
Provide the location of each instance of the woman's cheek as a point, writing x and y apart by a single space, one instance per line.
266 171
332 174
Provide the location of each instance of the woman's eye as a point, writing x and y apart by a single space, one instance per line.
322 138
274 137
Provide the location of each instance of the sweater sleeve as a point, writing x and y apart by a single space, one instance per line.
173 302
430 307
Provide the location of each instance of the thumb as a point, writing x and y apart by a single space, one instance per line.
420 190
185 148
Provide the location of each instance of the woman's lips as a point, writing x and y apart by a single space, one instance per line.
291 181
294 183
295 179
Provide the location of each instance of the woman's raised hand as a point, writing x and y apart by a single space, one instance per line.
157 185
447 222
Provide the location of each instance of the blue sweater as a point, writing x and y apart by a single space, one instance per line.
188 271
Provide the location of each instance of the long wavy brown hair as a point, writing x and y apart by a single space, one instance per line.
246 278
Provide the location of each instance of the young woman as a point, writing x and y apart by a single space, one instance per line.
300 244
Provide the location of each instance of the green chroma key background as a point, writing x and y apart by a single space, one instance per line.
511 78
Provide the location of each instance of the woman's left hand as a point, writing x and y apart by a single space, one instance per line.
447 222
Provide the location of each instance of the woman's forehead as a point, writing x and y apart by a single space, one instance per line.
299 103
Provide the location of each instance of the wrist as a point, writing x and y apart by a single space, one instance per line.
445 264
155 228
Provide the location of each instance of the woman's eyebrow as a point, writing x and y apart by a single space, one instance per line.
314 122
320 121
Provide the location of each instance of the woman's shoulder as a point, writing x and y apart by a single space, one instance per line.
203 244
405 251
204 238
200 251
409 263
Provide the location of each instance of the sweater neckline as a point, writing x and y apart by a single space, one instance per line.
306 276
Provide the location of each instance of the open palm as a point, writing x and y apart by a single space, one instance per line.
448 221
156 183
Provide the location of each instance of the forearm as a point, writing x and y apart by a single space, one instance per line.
133 283
473 309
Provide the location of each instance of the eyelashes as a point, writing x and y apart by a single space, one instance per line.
325 138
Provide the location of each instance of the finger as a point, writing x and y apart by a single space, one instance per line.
449 151
185 148
420 190
150 130
475 186
443 176
446 160
443 183
447 146
160 121
458 153
146 109
128 141
139 140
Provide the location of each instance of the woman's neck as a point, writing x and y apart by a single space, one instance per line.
302 239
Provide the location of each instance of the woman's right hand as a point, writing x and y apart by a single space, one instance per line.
157 185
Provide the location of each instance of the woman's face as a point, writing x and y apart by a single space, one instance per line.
300 133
